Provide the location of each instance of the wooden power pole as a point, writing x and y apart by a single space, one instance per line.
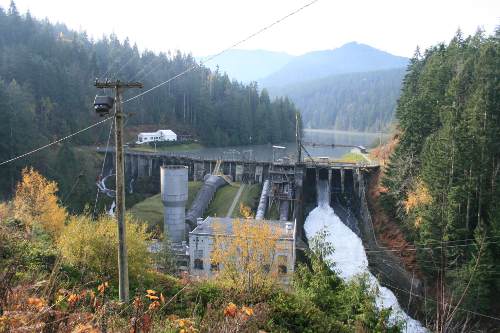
120 182
298 137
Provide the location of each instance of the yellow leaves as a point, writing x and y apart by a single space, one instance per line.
35 201
4 323
102 287
247 311
91 245
36 302
238 315
242 255
162 298
137 302
418 197
73 299
185 325
153 306
418 221
230 310
245 211
151 294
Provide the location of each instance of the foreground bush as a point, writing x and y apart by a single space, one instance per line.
36 203
92 247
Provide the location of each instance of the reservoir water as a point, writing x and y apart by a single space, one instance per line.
350 258
265 152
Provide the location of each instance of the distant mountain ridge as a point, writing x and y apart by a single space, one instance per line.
350 58
353 87
361 101
248 65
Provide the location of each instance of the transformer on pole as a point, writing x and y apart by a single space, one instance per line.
102 105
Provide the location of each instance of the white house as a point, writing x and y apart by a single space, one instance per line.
158 136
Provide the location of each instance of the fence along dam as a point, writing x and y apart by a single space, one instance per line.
314 193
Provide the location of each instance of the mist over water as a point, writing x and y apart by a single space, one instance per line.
350 257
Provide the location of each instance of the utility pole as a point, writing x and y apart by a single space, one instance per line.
120 182
298 138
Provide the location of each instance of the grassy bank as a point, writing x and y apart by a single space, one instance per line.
249 197
222 201
352 158
173 148
150 210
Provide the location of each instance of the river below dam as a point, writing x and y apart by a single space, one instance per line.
350 258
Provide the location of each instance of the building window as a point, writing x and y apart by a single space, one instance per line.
214 267
266 268
198 264
282 264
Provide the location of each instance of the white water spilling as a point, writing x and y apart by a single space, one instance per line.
350 257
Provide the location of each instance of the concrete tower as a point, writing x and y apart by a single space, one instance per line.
174 194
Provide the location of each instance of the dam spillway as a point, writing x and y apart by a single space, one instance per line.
350 258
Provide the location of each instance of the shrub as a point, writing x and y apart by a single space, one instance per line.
293 313
36 202
92 247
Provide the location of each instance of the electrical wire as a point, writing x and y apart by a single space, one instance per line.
164 82
433 300
416 248
103 164
210 58
55 142
119 69
146 70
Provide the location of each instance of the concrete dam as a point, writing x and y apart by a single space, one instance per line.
289 187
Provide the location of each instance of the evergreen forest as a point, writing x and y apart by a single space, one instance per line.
443 183
46 92
362 102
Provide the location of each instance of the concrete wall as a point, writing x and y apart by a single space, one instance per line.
201 246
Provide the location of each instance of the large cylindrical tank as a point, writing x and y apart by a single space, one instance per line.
174 194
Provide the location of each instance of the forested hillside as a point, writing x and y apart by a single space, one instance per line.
350 58
46 92
354 101
443 180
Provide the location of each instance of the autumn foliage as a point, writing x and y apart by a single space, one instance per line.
418 197
247 258
36 202
92 246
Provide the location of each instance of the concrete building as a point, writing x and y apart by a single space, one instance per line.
158 136
201 241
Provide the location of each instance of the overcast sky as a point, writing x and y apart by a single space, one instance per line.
205 27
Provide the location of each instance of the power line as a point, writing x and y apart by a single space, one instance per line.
189 69
119 69
103 163
54 142
167 81
147 69
433 300
416 248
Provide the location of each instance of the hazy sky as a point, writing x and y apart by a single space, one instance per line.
205 27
